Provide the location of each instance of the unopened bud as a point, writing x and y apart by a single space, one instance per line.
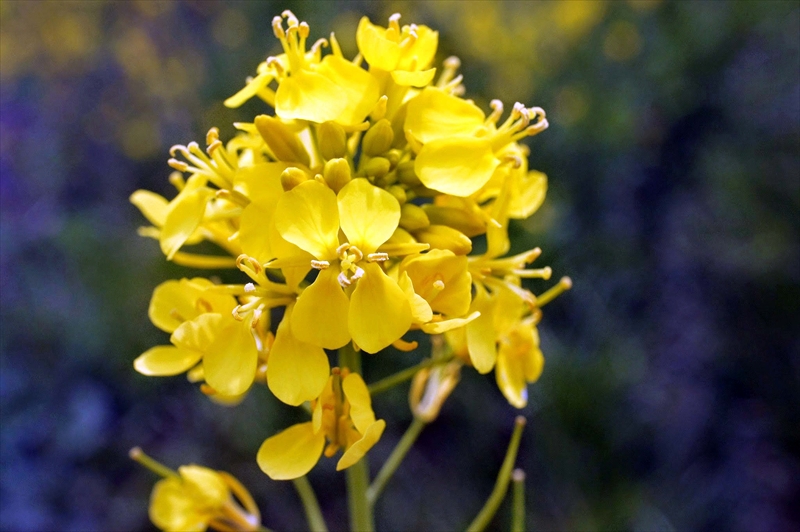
332 140
291 177
460 219
377 167
430 388
337 174
413 218
443 237
406 174
379 138
399 193
282 141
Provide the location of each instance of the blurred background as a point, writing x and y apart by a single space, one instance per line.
670 398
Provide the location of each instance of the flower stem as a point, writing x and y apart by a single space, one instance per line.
518 507
391 381
361 518
156 467
501 485
393 462
316 523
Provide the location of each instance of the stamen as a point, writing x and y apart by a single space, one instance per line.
342 248
359 273
249 288
320 264
277 28
291 19
514 160
275 64
180 166
344 282
438 284
304 30
203 305
564 284
377 257
235 313
497 111
212 136
177 181
357 252
539 273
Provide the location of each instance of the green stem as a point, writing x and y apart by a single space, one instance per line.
501 485
316 523
518 508
156 467
350 358
405 375
393 462
361 518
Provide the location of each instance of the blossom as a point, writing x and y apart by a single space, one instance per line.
352 297
342 415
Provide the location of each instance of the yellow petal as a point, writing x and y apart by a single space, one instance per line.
174 302
528 195
368 214
320 315
533 363
153 206
481 336
453 324
292 453
378 51
355 87
249 90
172 508
421 53
297 371
356 452
230 361
184 217
307 217
379 311
205 485
419 78
420 309
457 166
441 277
166 360
508 373
434 114
357 394
307 95
199 333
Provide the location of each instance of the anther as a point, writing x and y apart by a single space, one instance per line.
256 316
249 288
342 248
377 257
452 62
320 264
212 135
177 181
359 273
497 111
358 255
319 43
291 19
514 160
344 282
304 30
235 313
203 305
178 165
438 284
277 28
275 64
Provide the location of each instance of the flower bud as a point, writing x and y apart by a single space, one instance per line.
430 388
337 174
291 177
332 140
281 140
413 218
443 237
399 193
377 167
460 219
378 138
406 174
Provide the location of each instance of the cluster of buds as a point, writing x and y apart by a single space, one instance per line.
352 208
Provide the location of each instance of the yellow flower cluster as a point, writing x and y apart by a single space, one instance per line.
353 208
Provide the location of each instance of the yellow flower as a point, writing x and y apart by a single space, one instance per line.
342 414
174 303
198 497
406 53
310 88
352 297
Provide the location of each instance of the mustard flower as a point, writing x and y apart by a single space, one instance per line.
342 415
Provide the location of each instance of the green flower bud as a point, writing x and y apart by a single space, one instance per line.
332 140
378 138
377 167
282 141
406 174
337 174
413 218
291 177
460 219
443 237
